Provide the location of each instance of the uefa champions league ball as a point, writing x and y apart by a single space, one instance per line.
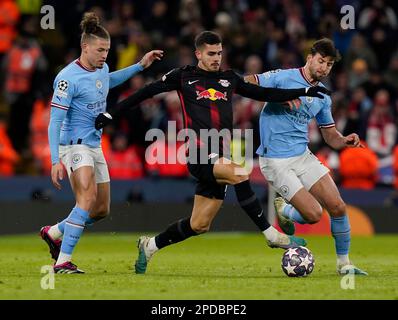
298 262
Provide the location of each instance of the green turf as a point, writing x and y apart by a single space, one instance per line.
212 266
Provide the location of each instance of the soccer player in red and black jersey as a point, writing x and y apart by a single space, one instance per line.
206 99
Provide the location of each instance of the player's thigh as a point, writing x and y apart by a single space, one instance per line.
100 165
103 201
203 212
326 192
227 172
310 170
79 163
280 176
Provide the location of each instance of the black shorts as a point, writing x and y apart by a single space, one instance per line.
207 185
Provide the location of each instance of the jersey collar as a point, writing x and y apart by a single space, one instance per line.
77 61
306 78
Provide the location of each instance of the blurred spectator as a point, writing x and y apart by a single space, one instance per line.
358 110
9 16
8 156
391 75
379 21
253 65
25 67
124 161
376 83
359 73
39 136
358 168
382 129
359 49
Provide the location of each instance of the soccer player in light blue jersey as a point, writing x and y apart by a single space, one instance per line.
80 92
287 163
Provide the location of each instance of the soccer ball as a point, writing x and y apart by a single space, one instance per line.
298 262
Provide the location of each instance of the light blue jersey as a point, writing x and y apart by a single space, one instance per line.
284 132
79 96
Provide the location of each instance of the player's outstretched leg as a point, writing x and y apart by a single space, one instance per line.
252 206
176 232
144 254
285 241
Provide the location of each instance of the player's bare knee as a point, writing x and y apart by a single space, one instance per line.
86 202
313 215
338 209
200 227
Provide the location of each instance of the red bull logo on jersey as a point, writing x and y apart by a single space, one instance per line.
211 94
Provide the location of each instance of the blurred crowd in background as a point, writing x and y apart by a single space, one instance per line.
257 36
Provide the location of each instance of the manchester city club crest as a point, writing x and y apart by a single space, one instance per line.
284 190
77 158
98 84
309 99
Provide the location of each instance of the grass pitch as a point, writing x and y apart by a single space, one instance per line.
212 266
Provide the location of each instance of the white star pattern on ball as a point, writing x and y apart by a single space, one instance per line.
305 262
291 252
290 269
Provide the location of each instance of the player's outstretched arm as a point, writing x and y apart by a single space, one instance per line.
168 82
103 119
277 95
118 77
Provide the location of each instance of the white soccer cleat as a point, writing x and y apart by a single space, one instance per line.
344 269
284 223
144 255
284 241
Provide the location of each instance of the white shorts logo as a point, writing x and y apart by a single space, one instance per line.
284 190
77 158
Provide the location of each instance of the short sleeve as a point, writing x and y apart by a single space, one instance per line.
324 117
268 79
